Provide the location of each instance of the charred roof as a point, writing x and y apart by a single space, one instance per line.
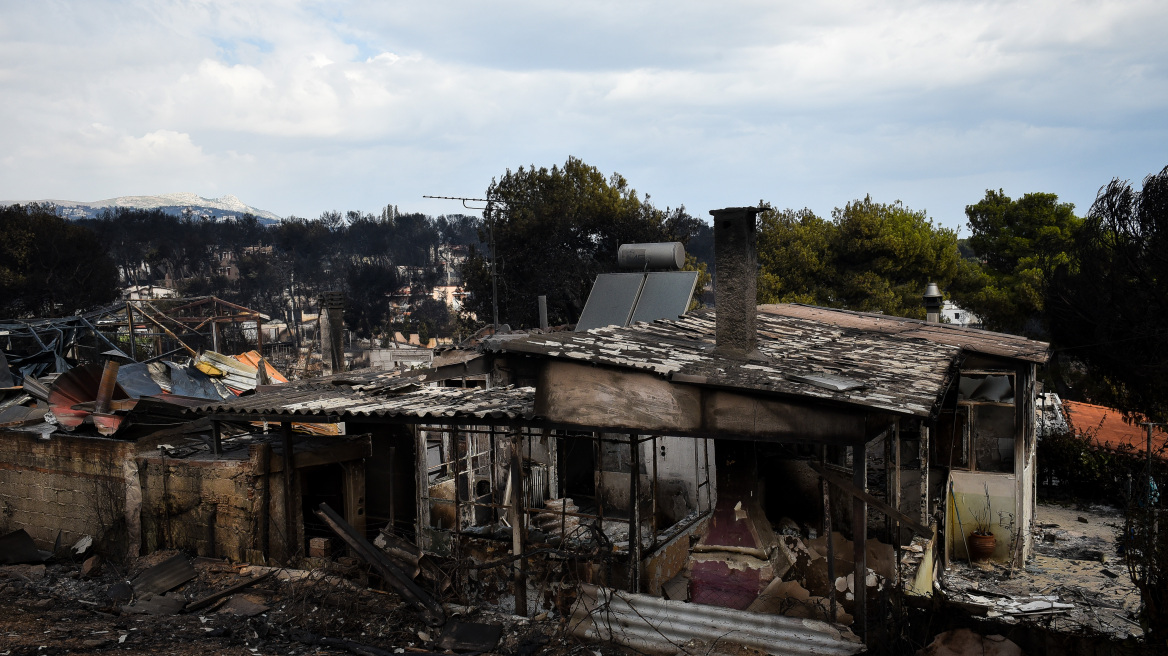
802 357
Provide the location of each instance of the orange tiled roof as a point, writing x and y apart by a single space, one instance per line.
1107 427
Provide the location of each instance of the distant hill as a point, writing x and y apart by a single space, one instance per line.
226 208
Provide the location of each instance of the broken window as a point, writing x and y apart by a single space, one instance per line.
987 399
993 438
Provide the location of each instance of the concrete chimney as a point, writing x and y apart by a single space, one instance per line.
932 303
736 293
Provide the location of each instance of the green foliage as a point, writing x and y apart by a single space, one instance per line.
704 278
49 266
796 258
554 231
871 257
1014 249
1107 307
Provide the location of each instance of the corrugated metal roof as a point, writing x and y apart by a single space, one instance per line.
652 625
1106 427
344 402
805 358
971 339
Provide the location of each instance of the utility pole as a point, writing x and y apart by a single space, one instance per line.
1148 474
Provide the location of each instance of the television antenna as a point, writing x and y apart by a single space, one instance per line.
491 237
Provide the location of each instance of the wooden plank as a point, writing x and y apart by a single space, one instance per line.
207 600
851 489
343 452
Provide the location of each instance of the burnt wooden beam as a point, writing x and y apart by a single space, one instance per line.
431 610
290 537
924 459
343 452
207 600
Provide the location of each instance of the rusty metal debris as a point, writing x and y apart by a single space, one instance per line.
165 576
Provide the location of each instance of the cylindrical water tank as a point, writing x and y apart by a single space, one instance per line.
664 255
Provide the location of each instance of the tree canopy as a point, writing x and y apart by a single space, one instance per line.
1016 246
50 266
1107 306
871 257
554 230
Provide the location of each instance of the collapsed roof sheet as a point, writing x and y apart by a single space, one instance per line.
345 403
805 358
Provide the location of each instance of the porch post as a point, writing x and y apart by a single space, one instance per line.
924 458
634 514
291 543
860 540
517 531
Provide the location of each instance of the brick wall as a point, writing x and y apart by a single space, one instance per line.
72 485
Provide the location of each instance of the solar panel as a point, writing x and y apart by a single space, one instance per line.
611 301
665 295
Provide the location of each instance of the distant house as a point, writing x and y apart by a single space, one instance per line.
957 315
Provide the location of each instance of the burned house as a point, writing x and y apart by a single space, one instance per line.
675 458
781 459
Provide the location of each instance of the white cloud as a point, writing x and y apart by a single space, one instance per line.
304 106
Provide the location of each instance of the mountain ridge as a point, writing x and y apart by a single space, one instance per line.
223 208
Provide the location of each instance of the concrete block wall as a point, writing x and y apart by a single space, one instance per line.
70 485
206 507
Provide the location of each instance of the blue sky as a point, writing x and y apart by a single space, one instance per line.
302 107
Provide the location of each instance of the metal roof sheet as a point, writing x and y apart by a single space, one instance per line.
804 358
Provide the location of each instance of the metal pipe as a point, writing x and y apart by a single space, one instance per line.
105 389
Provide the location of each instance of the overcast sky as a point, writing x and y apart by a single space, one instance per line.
302 107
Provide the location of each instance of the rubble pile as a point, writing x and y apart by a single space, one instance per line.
169 603
1076 583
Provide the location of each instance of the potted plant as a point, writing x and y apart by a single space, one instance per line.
981 542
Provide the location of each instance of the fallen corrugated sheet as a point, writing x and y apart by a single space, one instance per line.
252 358
425 402
164 576
803 358
236 375
654 625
